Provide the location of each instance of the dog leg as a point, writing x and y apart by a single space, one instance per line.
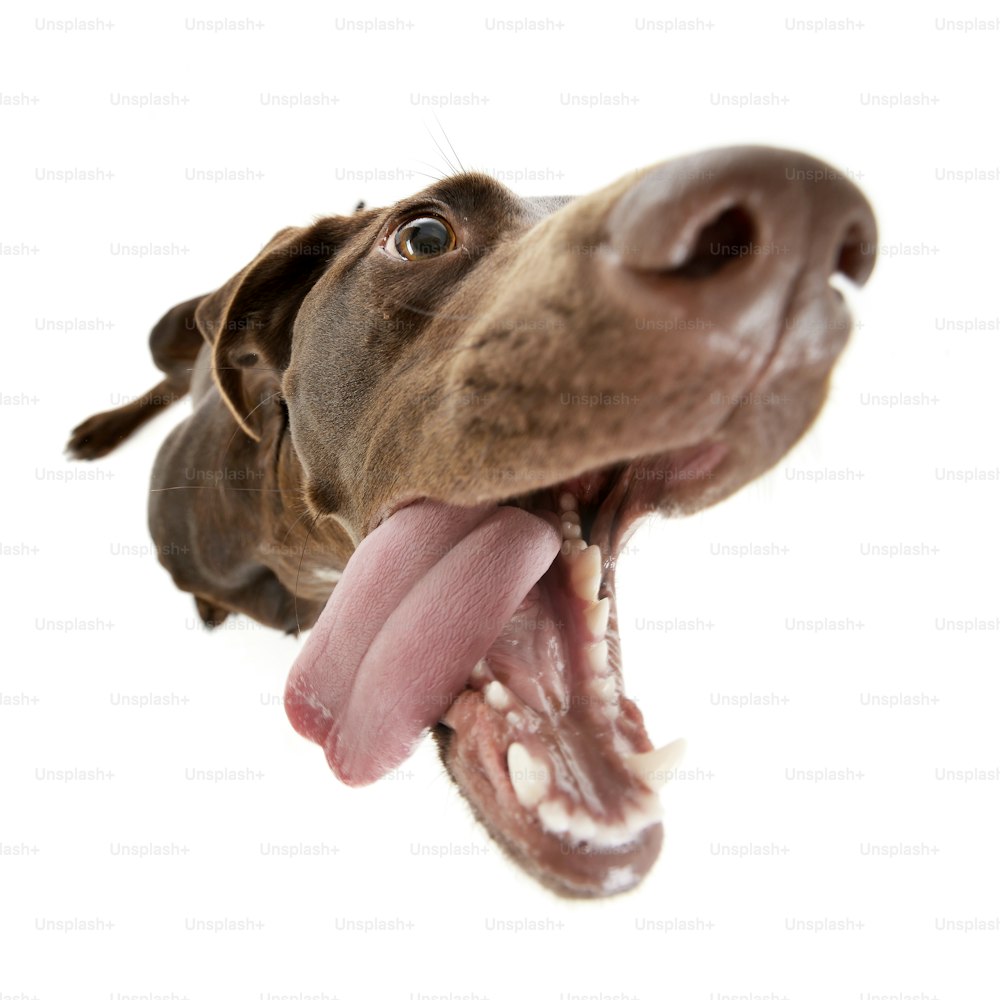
174 343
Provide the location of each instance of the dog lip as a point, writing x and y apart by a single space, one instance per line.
390 510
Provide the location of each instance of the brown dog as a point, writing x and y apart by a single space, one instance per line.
474 397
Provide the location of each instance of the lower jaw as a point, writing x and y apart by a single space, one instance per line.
541 739
590 826
568 865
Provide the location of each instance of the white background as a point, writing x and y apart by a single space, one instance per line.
91 620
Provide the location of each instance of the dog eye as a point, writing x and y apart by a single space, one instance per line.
426 236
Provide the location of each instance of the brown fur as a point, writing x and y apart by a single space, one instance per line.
332 384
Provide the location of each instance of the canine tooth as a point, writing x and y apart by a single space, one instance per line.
571 530
496 696
572 547
529 776
597 657
567 501
553 816
654 766
596 617
586 573
480 671
514 718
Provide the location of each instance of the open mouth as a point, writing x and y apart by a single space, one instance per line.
498 626
545 720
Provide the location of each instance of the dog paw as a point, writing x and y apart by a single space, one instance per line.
96 436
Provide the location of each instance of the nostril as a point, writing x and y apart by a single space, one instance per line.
852 256
727 238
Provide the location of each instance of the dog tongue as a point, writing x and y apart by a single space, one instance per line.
420 602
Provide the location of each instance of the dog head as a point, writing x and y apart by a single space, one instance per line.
474 381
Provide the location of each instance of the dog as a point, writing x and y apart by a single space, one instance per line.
426 431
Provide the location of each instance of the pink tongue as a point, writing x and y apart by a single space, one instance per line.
420 602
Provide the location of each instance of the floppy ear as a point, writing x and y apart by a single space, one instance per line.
248 321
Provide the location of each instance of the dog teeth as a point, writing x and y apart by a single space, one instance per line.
585 572
655 766
567 501
596 618
572 547
497 696
612 835
529 776
597 657
571 527
480 672
605 688
582 826
579 825
554 817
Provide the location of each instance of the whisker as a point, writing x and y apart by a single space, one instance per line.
450 146
291 527
434 176
242 368
220 462
451 166
266 399
452 317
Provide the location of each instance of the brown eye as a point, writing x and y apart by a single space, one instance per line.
427 236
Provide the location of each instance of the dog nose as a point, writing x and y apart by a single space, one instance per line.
745 214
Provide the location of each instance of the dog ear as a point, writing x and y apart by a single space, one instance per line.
248 321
